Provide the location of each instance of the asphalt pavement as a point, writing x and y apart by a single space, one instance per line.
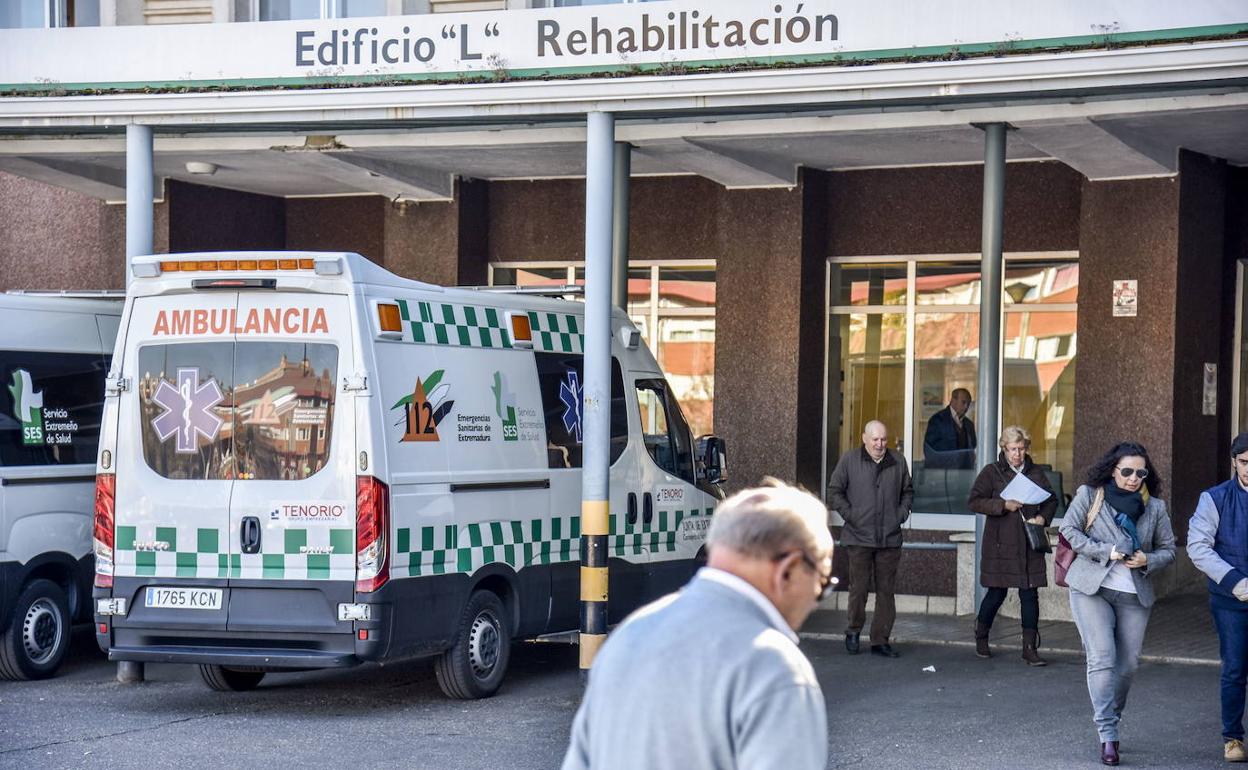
962 713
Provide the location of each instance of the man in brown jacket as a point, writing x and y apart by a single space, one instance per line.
871 490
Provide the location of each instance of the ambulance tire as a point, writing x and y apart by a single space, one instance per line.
474 667
35 643
223 679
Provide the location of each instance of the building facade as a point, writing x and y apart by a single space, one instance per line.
804 215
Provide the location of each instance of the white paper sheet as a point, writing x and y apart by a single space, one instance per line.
1025 491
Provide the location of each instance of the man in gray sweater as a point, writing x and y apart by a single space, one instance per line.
711 677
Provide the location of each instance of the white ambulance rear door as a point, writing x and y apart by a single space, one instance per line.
292 512
175 466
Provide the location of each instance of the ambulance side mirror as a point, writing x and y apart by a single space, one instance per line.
713 458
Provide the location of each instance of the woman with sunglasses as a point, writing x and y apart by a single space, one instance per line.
1007 561
1120 532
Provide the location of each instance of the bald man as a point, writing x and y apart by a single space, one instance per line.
871 490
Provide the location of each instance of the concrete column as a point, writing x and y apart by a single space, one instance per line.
139 208
619 224
596 414
991 268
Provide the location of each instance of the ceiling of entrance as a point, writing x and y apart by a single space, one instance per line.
761 152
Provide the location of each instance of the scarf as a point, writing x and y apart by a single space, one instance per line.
1128 507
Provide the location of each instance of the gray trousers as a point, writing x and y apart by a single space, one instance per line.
1112 625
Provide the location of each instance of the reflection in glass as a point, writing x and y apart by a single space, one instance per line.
349 8
251 410
871 351
867 284
687 287
282 10
946 353
687 356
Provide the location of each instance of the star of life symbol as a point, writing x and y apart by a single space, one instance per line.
188 410
572 394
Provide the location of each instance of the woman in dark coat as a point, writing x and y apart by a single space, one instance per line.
1007 561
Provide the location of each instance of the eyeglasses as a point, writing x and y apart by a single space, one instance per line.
826 582
1141 472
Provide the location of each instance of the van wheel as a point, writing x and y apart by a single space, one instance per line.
474 666
37 638
224 679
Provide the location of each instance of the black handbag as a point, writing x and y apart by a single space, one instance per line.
1037 537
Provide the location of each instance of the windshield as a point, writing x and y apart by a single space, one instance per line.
237 410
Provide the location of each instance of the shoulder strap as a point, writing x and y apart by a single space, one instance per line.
1095 508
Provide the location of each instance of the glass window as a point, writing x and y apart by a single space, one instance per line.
285 10
867 285
355 8
663 429
687 356
682 287
224 410
560 377
867 353
946 358
867 370
50 408
15 14
940 283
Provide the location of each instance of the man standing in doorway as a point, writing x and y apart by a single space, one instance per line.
950 429
871 490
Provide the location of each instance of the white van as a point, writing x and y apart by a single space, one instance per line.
309 462
54 354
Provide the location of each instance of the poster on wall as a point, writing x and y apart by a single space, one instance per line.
1209 401
1126 298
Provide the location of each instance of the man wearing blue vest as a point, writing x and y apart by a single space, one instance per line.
1217 542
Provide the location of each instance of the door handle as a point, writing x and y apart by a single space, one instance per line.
632 507
249 534
647 508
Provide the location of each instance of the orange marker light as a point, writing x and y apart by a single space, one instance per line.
168 267
388 317
268 264
228 264
521 331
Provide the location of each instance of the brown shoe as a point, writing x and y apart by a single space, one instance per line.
981 640
1233 751
1109 753
1031 640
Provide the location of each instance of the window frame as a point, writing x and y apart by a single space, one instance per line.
912 308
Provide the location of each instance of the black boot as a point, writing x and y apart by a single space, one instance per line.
1031 639
981 640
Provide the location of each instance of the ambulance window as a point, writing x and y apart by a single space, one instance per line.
664 430
560 377
284 408
251 410
50 407
186 398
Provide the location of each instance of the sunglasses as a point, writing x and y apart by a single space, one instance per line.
826 582
1127 472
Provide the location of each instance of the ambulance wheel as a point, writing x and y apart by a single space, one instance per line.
223 679
37 638
475 665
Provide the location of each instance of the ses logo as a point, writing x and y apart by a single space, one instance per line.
426 408
505 407
27 407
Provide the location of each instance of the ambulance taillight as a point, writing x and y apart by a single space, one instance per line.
105 494
372 523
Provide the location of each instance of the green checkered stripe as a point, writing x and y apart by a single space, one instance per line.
445 549
198 552
441 323
281 556
656 536
556 333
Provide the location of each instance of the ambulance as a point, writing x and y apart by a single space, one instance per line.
54 355
308 462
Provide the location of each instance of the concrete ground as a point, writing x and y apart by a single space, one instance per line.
967 713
